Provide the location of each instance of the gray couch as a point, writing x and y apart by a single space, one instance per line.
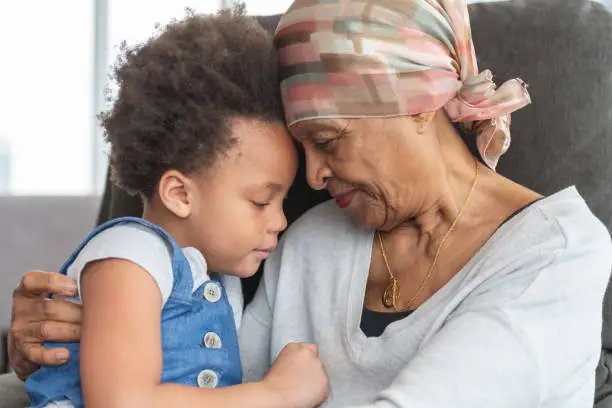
563 50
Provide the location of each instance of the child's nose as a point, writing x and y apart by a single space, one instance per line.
280 222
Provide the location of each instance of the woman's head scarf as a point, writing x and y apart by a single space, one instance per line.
387 58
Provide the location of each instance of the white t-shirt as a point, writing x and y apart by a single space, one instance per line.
147 249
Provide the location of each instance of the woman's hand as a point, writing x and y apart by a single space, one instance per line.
36 319
298 376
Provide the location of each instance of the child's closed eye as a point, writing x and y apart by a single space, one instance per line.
260 205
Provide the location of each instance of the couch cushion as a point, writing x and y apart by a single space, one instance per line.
563 50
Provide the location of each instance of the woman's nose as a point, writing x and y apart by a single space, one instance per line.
317 171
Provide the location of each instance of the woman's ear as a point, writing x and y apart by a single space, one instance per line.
176 192
423 120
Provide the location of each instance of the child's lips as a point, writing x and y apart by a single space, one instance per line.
265 252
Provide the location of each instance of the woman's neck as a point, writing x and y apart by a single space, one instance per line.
448 190
492 200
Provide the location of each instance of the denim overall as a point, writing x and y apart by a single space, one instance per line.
199 339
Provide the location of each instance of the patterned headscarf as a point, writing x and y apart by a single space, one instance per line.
386 58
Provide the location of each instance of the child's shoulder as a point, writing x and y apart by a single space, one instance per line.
129 240
133 242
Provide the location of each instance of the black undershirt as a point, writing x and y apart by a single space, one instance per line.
373 324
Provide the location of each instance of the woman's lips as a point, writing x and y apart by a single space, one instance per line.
344 200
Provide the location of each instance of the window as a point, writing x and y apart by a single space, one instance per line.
266 8
53 75
134 20
46 98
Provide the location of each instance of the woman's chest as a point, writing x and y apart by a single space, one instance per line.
325 305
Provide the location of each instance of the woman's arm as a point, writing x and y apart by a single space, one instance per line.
121 355
36 319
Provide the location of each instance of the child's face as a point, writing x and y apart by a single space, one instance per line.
238 209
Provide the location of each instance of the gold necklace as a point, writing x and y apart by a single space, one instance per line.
392 291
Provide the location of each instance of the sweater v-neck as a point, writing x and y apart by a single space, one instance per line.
363 347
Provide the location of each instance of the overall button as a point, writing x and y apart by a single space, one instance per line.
212 340
212 292
208 379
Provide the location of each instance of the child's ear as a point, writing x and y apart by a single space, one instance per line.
176 192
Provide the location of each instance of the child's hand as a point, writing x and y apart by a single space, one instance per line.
298 376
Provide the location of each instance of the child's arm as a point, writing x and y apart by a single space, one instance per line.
121 356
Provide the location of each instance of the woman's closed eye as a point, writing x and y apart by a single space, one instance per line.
325 145
327 141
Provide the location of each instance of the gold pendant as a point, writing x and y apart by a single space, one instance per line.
391 294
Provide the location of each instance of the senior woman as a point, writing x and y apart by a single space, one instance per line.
430 281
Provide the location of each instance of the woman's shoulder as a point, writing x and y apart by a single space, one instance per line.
563 222
557 236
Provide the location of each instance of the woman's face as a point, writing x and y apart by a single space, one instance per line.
378 169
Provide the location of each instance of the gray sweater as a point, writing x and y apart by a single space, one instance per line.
518 327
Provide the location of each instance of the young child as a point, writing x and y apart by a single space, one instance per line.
197 130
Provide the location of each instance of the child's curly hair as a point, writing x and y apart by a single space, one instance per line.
178 92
